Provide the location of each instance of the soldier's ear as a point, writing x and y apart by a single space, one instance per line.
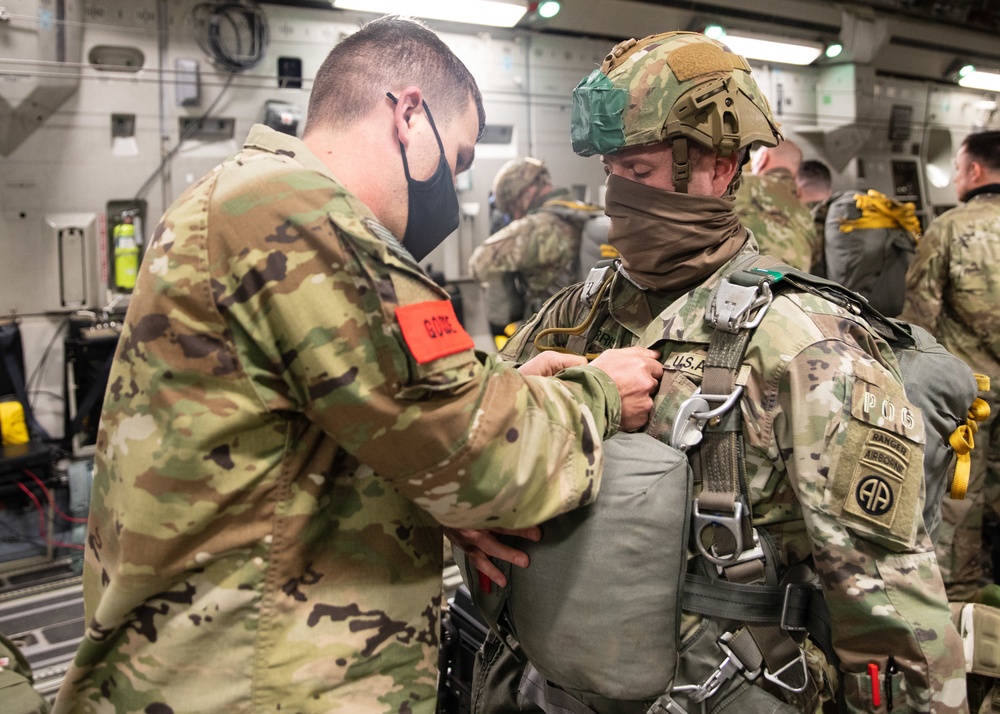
724 168
975 172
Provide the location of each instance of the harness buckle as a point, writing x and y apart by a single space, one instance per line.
667 704
593 283
732 308
754 553
732 523
775 677
787 607
693 414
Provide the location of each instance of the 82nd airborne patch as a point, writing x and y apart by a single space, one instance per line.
880 491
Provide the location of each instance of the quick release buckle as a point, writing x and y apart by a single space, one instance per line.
730 666
739 307
694 413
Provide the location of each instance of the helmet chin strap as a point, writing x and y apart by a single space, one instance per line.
682 167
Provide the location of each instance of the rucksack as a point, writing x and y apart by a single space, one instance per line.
599 615
870 241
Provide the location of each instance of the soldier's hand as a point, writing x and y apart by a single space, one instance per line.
481 545
636 371
548 363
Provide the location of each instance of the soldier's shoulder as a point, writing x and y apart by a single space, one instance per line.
797 319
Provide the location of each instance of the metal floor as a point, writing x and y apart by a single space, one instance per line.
45 619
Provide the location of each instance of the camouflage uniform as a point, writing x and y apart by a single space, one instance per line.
819 211
823 399
16 692
543 248
805 428
782 225
274 460
953 290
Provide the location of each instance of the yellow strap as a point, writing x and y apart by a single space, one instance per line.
880 211
576 205
608 251
982 382
979 411
963 441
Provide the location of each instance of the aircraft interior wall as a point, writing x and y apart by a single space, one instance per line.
96 150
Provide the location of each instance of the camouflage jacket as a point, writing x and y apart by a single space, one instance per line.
781 223
953 284
808 426
290 413
542 247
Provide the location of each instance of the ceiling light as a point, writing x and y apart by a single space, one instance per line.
715 32
476 12
548 8
834 50
781 51
979 79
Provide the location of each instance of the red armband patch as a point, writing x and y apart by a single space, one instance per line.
431 330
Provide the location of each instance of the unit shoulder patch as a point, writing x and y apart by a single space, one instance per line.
431 330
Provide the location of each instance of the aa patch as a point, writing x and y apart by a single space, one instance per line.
431 330
877 481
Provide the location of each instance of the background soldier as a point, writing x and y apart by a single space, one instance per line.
814 185
767 204
538 252
953 290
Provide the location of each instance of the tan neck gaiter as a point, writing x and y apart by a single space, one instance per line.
669 240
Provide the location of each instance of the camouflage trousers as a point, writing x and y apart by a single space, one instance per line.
964 562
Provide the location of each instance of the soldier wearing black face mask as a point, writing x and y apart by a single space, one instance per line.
433 203
295 410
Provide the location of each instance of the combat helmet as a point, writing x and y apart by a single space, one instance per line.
513 178
677 87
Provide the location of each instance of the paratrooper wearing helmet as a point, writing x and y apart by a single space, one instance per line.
807 574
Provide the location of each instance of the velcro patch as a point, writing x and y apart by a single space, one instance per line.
878 481
431 330
694 60
871 404
690 363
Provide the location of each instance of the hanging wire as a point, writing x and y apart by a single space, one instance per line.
247 24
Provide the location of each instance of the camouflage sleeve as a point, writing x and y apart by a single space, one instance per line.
927 277
537 241
311 297
854 461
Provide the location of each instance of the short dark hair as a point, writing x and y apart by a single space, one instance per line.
388 55
984 148
815 174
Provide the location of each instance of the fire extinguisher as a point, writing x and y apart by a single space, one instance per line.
126 254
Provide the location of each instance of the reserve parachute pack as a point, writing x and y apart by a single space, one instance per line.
870 241
597 616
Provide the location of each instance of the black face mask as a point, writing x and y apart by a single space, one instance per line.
433 213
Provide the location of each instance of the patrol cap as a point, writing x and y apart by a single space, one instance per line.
514 177
674 85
